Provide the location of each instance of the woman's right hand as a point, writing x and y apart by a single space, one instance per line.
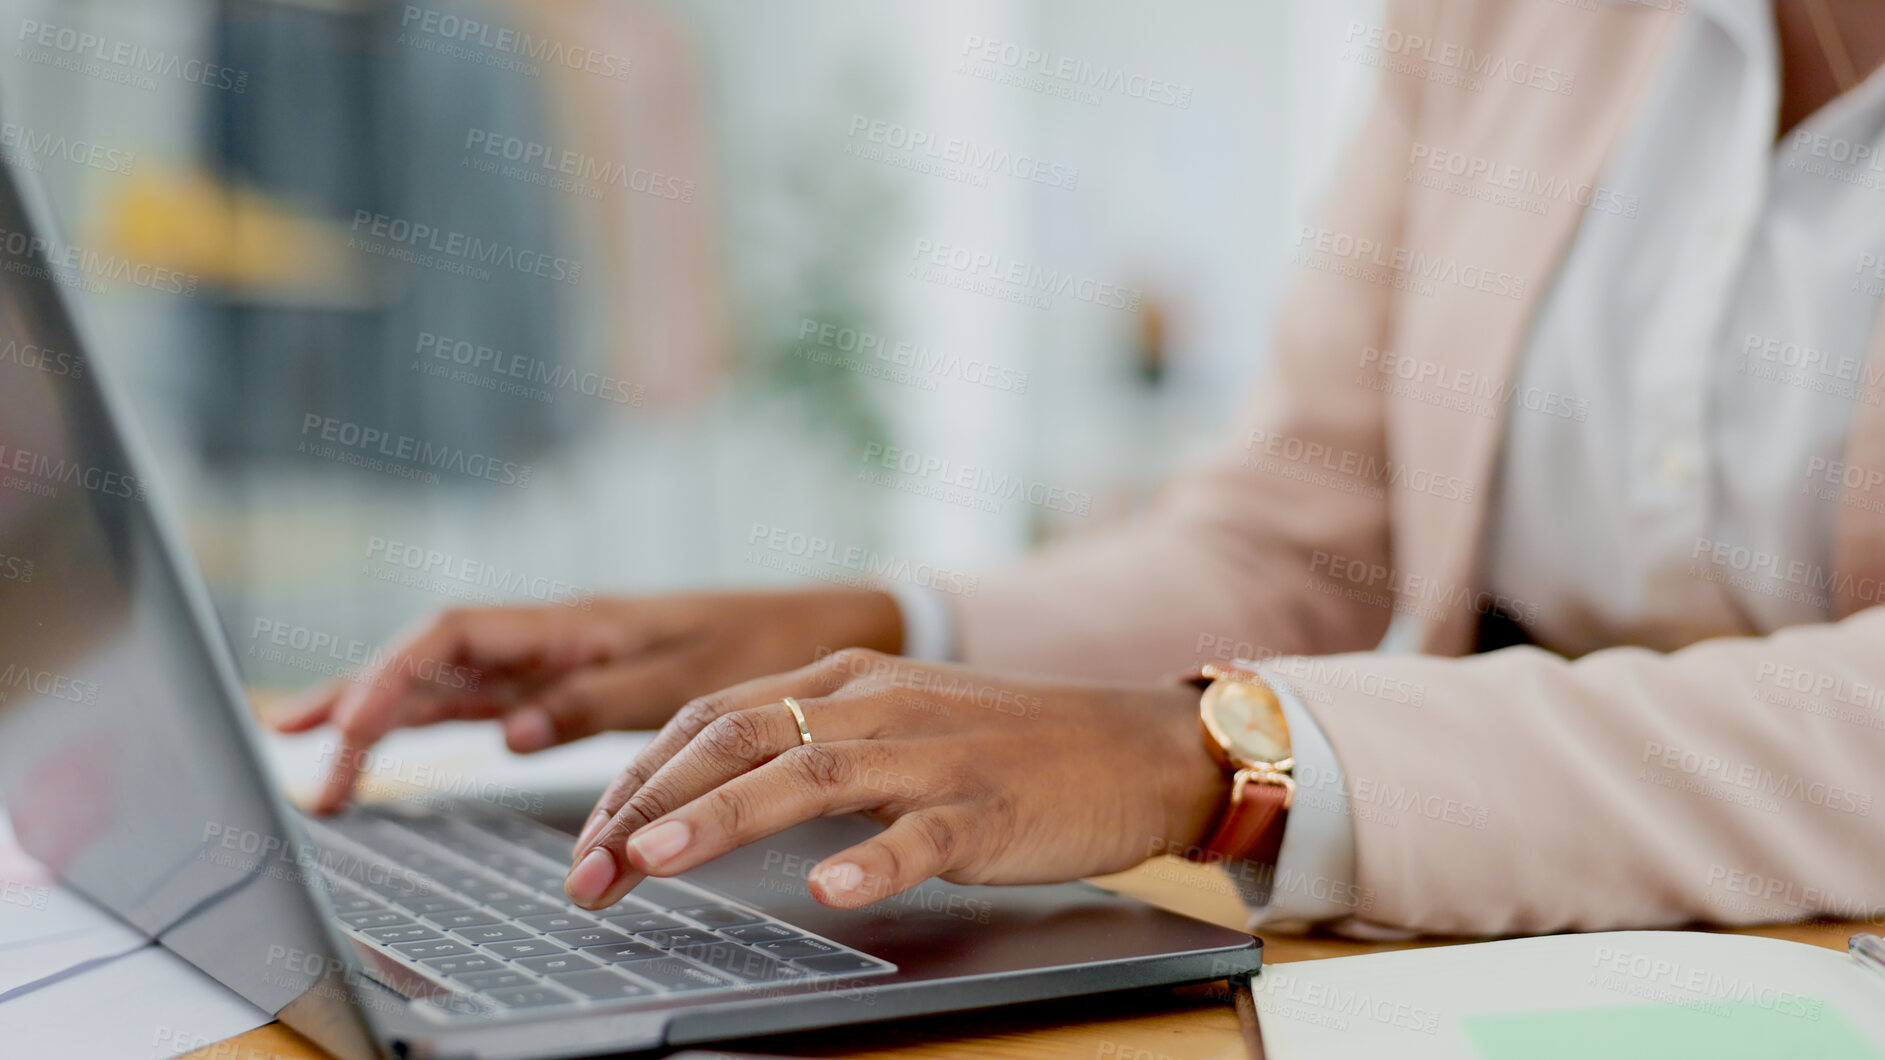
558 673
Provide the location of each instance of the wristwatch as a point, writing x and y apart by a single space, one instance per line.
1245 731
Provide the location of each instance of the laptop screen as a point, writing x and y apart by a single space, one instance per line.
126 762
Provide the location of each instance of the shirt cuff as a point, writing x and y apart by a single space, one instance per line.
929 622
1315 871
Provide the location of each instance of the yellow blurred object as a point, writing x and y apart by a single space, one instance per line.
237 238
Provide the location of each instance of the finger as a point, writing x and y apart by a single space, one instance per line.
804 783
917 846
307 710
589 701
687 723
729 746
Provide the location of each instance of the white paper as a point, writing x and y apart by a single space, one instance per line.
465 760
1409 1004
135 1000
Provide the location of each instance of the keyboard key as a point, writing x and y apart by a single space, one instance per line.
409 933
354 903
626 951
551 964
791 948
501 979
672 974
522 907
665 894
459 967
524 948
427 905
458 916
483 933
549 922
600 985
839 964
759 933
748 966
529 997
419 951
583 938
667 940
489 893
373 919
638 922
719 916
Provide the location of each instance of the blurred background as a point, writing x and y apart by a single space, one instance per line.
458 303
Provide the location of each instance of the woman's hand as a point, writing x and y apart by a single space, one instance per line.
981 778
558 673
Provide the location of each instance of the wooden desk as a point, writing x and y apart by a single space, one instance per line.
1181 1025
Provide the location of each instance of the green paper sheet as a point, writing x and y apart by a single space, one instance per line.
1721 1031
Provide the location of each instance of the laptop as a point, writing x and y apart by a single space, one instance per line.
131 765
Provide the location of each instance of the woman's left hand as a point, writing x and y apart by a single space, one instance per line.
980 778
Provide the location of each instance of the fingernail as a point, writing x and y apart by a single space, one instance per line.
843 878
589 879
661 842
596 821
529 730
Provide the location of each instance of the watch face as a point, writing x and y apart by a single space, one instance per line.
1247 721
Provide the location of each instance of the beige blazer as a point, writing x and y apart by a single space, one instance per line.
1514 791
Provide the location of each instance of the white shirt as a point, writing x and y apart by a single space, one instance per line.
1714 344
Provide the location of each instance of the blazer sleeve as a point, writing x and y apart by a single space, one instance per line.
1225 551
1518 792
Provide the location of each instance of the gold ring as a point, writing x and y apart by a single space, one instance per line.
798 715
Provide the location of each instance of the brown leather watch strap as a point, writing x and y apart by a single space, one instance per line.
1251 830
1252 827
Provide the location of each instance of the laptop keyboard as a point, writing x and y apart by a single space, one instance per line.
477 912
